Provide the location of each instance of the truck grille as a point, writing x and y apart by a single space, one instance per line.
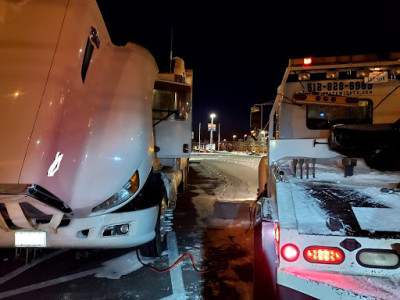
39 193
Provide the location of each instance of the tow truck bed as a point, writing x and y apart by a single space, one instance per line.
331 204
328 210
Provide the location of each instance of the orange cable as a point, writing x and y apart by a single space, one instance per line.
176 263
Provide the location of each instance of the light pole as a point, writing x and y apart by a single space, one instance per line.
212 116
199 136
219 134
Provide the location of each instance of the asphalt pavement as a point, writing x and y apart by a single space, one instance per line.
215 238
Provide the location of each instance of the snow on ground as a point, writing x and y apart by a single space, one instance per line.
211 241
239 173
251 161
222 177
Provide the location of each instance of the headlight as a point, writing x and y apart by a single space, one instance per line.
123 195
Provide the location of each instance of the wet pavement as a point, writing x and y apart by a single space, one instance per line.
220 242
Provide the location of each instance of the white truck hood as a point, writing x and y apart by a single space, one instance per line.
80 140
25 62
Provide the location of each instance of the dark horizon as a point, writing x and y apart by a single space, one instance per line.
239 52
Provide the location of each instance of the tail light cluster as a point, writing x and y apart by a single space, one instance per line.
313 254
326 255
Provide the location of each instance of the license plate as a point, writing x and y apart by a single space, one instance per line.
30 239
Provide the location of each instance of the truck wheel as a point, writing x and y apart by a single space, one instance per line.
156 247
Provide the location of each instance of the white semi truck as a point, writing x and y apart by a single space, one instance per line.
327 217
95 141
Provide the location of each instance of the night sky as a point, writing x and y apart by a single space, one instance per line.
239 51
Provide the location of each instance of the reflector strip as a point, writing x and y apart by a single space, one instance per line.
324 255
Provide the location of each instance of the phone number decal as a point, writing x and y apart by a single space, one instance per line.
340 87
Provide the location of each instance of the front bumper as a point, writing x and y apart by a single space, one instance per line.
329 285
88 232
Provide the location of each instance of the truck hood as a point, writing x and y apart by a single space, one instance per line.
90 139
25 62
79 139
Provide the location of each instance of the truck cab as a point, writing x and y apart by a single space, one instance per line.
326 224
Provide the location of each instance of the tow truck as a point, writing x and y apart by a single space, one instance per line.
326 217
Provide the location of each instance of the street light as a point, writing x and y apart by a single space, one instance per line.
234 137
212 116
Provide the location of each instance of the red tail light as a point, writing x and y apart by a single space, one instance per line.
290 252
324 255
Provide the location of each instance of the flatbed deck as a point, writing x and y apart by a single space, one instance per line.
332 204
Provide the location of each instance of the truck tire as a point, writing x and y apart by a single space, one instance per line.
157 246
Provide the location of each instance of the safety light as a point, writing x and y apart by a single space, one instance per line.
307 61
134 182
277 234
362 73
115 230
290 252
324 255
332 74
378 258
304 76
311 99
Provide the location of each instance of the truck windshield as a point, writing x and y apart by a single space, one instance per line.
323 117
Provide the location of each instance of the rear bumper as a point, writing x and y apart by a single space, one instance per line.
329 285
88 232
